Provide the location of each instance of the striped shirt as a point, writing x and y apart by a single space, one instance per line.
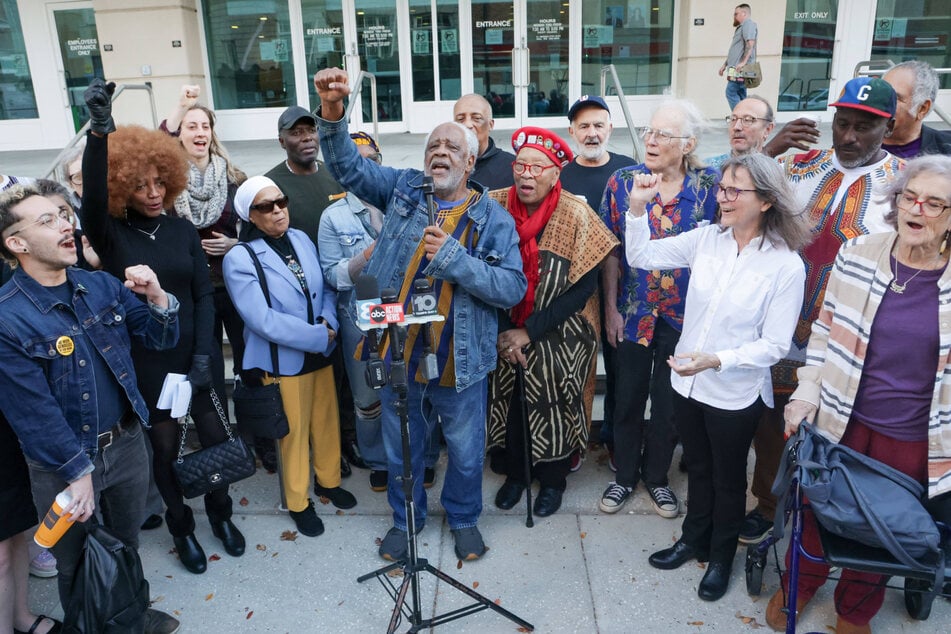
837 348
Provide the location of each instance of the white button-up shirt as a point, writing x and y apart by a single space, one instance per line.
741 306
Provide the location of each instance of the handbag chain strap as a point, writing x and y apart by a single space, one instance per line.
183 424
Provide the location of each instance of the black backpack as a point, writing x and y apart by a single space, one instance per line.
110 594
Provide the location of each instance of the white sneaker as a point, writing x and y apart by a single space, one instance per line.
664 502
614 497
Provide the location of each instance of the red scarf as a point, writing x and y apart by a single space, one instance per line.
528 227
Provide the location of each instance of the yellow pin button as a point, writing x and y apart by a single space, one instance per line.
65 346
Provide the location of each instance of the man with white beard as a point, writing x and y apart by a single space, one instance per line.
590 128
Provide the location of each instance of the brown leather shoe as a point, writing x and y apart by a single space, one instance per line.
775 617
844 627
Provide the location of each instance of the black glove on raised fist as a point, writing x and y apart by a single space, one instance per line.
200 374
98 97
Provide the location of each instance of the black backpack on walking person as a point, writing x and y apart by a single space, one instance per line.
110 594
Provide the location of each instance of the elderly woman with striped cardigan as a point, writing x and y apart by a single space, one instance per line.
878 369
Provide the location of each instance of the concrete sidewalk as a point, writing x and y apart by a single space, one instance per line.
577 571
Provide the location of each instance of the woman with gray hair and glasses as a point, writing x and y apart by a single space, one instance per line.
878 368
745 292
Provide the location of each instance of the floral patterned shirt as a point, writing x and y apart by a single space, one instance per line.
643 296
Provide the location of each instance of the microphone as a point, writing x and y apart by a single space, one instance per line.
367 296
388 311
368 292
429 189
424 305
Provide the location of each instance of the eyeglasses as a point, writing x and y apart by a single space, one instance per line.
732 193
51 220
661 136
535 170
268 206
930 208
76 179
746 121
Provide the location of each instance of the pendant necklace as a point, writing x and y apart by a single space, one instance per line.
150 234
895 286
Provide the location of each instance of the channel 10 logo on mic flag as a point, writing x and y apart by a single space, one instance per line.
386 314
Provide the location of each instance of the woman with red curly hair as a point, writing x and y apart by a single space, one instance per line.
130 178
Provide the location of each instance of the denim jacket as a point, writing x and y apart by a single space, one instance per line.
486 275
49 395
345 231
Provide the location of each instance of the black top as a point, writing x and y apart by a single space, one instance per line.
589 182
935 141
493 168
176 257
309 195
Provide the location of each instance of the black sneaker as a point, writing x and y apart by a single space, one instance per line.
338 496
429 477
664 501
307 521
378 480
755 528
614 497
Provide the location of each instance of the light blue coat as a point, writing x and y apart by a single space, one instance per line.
285 322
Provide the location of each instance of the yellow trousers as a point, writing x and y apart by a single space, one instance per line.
310 403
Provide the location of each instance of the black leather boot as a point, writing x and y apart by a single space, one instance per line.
230 536
191 554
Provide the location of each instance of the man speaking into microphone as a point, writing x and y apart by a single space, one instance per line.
470 254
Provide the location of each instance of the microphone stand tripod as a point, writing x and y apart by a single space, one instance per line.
414 565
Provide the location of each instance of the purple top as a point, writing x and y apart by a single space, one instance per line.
894 395
907 151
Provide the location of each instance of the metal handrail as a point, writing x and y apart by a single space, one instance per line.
355 98
881 66
121 88
635 140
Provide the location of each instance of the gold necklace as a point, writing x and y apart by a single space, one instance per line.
895 287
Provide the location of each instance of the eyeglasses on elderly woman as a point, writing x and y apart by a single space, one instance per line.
534 170
930 208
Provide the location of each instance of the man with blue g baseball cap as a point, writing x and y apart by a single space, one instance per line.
843 190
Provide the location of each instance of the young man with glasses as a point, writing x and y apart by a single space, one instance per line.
73 401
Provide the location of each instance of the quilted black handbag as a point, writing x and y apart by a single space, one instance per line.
213 467
258 409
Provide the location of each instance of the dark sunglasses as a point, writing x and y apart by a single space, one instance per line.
267 206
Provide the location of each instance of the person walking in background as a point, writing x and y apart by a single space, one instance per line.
742 52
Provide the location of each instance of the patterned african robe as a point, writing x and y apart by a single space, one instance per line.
561 365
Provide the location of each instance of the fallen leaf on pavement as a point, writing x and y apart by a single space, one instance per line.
214 557
289 536
459 565
250 614
324 500
243 501
475 584
749 620
208 597
583 534
697 623
261 547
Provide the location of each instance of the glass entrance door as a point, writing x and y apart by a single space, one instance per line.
520 58
378 48
79 50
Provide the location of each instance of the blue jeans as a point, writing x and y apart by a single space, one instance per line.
735 93
462 415
121 484
366 399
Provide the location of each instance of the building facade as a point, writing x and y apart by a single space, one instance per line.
530 58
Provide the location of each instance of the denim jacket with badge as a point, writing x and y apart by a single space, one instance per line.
46 376
486 275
